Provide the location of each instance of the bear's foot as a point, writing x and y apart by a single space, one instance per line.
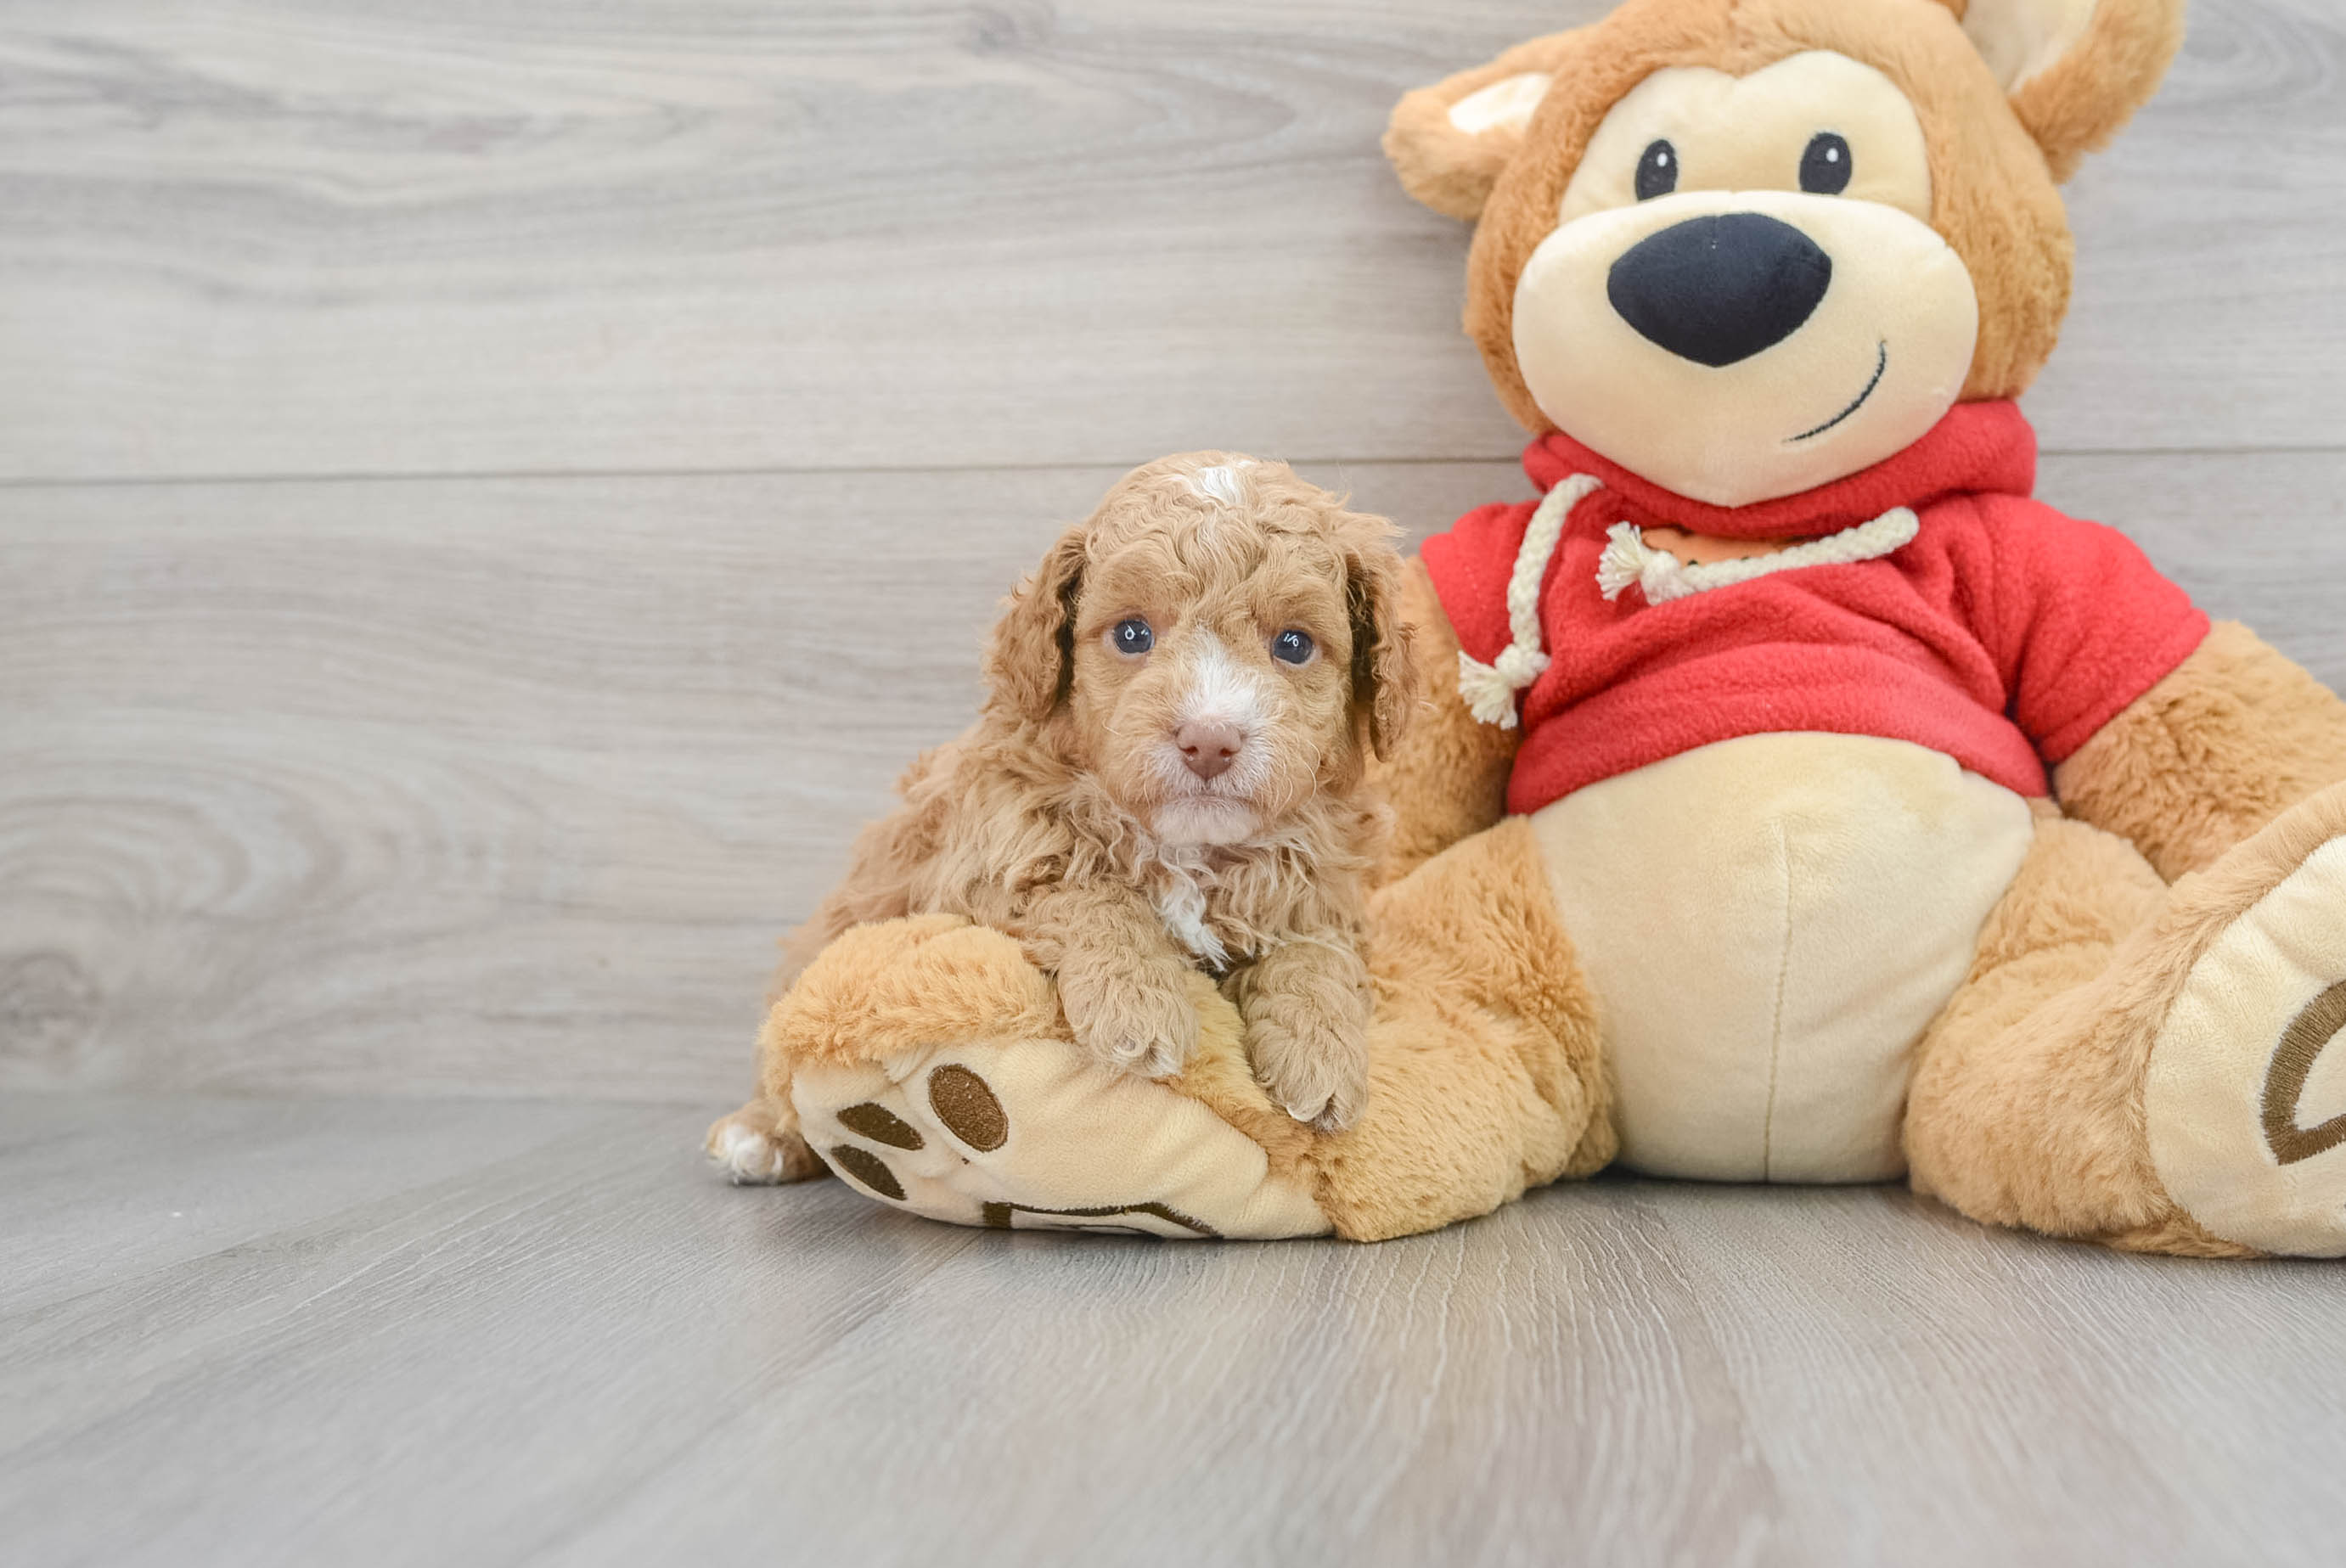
928 1069
1029 1134
2244 1101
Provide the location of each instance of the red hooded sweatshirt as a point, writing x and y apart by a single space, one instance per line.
2003 633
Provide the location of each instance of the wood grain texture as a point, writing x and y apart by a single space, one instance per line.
529 1333
510 785
318 236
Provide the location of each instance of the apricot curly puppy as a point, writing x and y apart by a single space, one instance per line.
1168 774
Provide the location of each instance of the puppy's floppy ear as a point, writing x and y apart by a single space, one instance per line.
1384 675
2075 70
1448 142
1031 663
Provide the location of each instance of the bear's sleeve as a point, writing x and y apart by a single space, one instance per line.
2078 620
1470 565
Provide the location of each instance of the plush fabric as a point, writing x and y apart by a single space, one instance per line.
1773 921
2030 1104
2236 736
2238 1128
2004 634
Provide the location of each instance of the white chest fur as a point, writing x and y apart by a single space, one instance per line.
1181 905
1770 923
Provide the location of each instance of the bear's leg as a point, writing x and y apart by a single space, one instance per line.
1485 1072
2151 1066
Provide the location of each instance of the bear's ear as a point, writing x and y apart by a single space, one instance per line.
2075 69
1448 142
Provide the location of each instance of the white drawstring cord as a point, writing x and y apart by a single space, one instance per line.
1628 559
1490 689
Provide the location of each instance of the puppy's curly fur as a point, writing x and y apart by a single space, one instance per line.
1069 817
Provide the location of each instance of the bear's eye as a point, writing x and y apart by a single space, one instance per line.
1658 172
1826 167
1291 646
1132 637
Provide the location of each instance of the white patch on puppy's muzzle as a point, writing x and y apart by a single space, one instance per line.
1219 691
1222 690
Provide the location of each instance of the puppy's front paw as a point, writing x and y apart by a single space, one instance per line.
1316 1070
1134 1021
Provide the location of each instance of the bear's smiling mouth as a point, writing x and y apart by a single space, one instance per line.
1881 368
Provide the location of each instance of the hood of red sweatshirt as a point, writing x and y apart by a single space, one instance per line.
1978 446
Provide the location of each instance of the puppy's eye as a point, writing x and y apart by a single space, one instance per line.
1658 172
1826 167
1291 646
1132 637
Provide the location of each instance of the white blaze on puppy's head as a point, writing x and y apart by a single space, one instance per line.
1222 482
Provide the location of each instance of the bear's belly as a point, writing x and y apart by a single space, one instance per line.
1770 923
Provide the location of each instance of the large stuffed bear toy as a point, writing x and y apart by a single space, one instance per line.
1802 800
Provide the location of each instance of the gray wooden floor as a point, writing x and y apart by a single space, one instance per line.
354 1331
491 490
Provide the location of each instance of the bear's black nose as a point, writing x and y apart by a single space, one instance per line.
1722 288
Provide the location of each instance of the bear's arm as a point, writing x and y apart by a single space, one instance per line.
2234 735
1447 776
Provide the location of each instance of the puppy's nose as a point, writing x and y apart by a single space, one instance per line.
1718 290
1208 747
